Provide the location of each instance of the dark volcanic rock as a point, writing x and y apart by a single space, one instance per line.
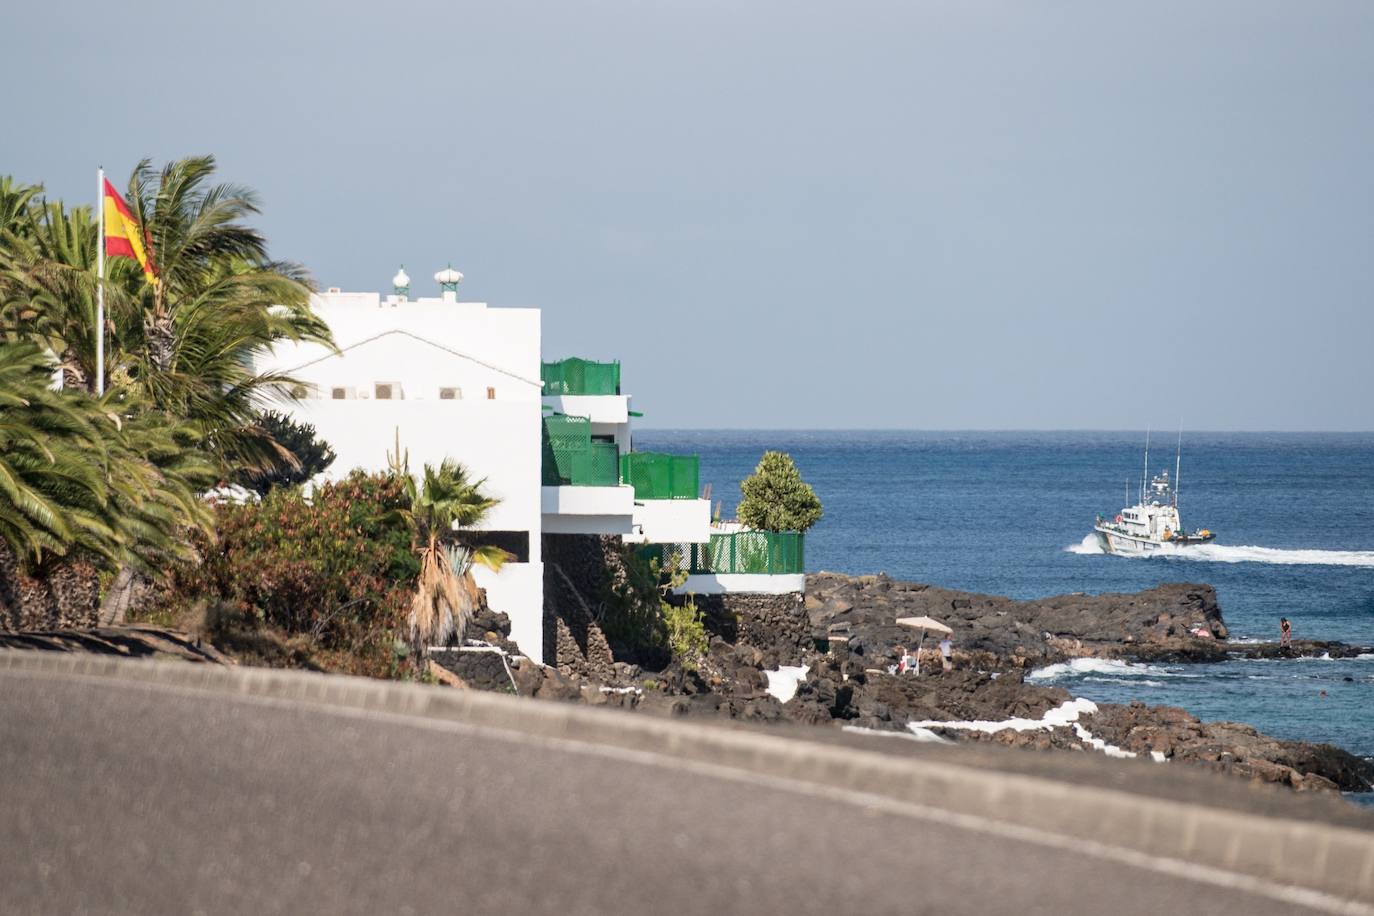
1230 747
991 631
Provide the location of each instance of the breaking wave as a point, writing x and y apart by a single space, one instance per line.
1101 666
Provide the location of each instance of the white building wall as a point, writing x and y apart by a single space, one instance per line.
599 408
493 440
672 521
742 584
492 427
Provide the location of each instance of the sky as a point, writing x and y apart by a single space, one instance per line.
908 214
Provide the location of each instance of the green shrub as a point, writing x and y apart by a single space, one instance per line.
641 623
330 568
776 498
686 630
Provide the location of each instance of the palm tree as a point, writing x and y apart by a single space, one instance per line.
445 592
53 495
107 479
184 345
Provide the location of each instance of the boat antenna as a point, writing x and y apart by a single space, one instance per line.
1145 478
1178 462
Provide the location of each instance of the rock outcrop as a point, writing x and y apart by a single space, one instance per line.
993 631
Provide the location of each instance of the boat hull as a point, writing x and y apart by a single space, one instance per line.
1129 545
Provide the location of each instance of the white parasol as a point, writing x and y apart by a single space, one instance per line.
923 624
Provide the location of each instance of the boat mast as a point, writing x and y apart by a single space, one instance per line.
1178 463
1146 477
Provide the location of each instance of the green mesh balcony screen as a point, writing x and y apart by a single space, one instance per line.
580 376
766 552
571 458
770 553
597 467
658 476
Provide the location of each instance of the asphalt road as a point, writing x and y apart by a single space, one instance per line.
124 797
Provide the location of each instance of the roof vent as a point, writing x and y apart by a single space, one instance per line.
448 279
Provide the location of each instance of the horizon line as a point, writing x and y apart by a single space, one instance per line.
994 429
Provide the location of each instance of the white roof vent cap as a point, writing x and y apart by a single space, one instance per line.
448 279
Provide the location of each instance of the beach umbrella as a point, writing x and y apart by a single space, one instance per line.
923 624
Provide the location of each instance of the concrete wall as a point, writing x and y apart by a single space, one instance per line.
587 510
672 521
743 583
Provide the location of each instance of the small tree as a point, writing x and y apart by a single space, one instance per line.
301 454
445 593
776 498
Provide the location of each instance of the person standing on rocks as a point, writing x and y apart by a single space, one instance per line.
1285 633
947 652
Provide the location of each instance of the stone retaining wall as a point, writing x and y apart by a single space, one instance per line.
66 595
576 567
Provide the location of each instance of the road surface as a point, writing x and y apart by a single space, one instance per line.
132 797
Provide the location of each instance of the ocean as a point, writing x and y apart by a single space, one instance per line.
1010 513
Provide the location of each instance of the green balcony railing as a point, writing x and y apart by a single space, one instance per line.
571 457
580 376
771 553
655 475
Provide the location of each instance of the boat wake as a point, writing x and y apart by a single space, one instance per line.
1225 553
1089 545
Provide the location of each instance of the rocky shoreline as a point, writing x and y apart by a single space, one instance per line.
844 634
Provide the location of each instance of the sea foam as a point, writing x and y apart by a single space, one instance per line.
1087 546
783 682
1104 666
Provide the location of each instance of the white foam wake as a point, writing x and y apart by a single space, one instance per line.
1248 553
1089 545
1225 553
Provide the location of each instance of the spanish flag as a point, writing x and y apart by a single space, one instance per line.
124 238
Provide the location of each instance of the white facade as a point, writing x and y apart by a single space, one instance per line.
459 380
453 380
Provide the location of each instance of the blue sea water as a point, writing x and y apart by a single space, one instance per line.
1008 513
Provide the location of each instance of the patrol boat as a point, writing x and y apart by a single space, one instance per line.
1152 525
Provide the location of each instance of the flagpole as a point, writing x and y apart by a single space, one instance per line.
100 286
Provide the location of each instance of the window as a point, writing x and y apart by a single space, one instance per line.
304 391
491 393
342 393
450 394
387 391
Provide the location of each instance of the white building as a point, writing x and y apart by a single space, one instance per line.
460 380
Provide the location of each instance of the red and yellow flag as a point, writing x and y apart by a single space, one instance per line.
124 238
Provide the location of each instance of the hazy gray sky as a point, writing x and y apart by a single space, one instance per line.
793 214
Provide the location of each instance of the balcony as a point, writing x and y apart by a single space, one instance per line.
737 562
581 491
573 459
655 475
580 376
737 553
